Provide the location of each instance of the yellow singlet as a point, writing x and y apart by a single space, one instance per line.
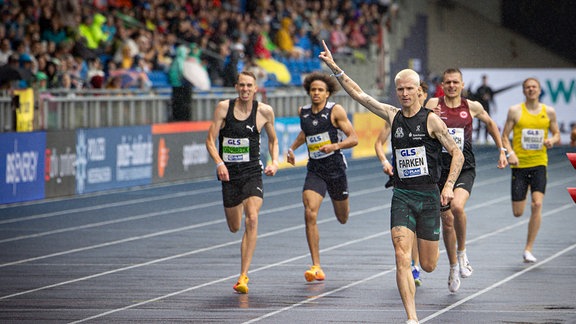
529 135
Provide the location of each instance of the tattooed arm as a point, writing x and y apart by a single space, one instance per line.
385 111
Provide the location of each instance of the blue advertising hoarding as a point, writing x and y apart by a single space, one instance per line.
22 166
111 158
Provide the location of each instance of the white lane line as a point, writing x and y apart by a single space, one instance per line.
211 188
308 300
305 301
213 247
172 231
128 219
128 202
279 209
139 217
112 311
313 298
169 211
193 252
107 205
162 213
126 240
328 219
110 222
498 284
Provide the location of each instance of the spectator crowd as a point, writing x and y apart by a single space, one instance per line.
98 44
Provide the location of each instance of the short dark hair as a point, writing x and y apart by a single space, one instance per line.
424 86
450 71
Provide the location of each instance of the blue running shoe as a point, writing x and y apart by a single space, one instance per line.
416 275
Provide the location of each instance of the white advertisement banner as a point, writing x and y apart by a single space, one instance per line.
558 91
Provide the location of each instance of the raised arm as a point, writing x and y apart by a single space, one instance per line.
385 111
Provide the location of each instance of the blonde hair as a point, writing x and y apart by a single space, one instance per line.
408 74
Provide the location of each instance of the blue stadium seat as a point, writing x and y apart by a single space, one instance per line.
159 79
272 82
300 67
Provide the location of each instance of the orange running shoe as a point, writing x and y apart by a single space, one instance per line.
315 273
241 286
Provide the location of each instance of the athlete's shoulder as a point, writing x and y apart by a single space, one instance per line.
224 103
548 108
475 107
222 108
265 110
264 107
432 102
516 108
472 103
337 107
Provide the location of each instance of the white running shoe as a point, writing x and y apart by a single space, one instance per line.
465 267
411 321
528 257
454 280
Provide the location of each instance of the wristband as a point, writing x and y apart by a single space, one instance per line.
291 150
384 162
338 75
219 164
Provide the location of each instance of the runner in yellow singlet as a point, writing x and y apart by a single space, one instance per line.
529 123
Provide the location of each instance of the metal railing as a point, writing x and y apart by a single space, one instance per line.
58 110
6 114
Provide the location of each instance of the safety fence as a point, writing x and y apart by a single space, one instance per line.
68 110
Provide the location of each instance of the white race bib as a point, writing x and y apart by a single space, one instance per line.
458 136
315 142
235 149
411 162
532 139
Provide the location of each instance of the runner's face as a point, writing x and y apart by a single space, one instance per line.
319 92
422 95
452 85
246 87
407 92
531 90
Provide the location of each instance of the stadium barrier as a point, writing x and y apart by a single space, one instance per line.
69 110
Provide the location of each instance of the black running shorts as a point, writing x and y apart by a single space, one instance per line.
337 187
522 178
234 192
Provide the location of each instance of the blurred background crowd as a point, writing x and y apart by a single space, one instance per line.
99 44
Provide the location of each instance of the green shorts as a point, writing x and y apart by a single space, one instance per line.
417 210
